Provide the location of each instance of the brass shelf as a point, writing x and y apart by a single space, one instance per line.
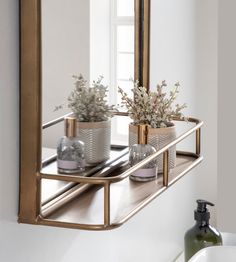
51 189
86 211
109 198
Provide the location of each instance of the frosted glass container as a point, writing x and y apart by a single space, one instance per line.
137 153
70 155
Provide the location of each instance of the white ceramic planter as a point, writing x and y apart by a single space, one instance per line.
158 138
97 139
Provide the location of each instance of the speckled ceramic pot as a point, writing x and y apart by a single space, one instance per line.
97 139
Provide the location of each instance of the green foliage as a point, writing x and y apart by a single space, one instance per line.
89 104
153 108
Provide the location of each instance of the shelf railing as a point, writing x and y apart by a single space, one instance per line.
106 182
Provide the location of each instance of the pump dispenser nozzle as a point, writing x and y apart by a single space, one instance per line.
201 213
202 234
202 205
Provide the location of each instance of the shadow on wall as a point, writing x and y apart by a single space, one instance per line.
33 243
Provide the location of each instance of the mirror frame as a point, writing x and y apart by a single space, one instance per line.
31 97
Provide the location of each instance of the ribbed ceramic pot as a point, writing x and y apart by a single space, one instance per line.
97 139
158 138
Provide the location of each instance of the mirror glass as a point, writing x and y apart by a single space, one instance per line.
88 37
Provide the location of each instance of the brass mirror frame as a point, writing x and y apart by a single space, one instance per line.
31 96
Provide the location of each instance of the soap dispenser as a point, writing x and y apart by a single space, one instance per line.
202 234
140 151
70 150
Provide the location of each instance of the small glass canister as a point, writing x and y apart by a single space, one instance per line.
140 151
70 150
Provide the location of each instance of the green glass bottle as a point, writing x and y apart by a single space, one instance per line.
201 235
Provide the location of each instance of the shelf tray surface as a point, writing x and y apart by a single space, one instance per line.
125 197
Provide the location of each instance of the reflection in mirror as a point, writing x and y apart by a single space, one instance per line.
93 38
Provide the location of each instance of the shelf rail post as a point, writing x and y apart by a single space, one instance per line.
107 204
39 193
166 168
198 141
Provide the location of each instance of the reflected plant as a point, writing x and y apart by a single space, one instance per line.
89 103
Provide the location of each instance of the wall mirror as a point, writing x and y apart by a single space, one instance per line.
60 39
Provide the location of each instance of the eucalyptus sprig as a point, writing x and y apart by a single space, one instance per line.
156 109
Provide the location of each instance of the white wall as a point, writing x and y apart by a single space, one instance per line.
155 234
226 125
184 49
173 51
206 93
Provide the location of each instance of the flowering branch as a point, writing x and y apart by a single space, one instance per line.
153 108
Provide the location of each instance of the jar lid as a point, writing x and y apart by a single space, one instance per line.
70 127
142 134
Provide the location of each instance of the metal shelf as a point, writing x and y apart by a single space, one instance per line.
109 198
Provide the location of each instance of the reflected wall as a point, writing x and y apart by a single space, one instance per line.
92 38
